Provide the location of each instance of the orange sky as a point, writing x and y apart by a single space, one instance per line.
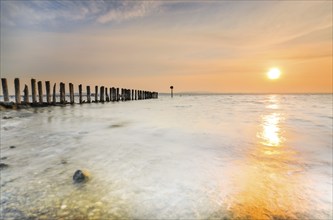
221 46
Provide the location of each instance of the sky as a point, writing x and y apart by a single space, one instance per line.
196 46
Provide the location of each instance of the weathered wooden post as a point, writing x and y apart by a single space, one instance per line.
5 89
88 94
71 93
26 94
132 94
17 91
48 92
171 87
110 94
117 95
106 95
96 93
33 91
62 93
135 95
54 100
80 94
101 95
113 94
40 92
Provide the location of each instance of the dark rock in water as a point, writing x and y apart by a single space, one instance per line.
7 117
80 176
12 147
3 166
8 105
3 158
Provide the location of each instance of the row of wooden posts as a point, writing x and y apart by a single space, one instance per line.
113 95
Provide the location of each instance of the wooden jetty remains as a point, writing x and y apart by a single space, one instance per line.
101 94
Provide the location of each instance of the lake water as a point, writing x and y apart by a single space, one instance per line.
190 157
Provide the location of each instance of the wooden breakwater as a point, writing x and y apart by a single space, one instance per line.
102 94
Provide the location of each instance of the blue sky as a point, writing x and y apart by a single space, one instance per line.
195 45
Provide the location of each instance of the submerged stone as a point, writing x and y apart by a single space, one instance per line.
3 166
80 176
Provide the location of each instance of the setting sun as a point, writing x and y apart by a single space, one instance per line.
274 73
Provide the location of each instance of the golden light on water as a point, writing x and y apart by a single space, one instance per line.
270 134
268 184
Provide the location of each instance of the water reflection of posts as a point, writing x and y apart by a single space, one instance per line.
171 87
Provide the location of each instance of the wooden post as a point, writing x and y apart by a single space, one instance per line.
71 93
113 94
106 95
96 93
48 92
135 95
117 95
171 87
88 94
80 94
62 93
5 89
101 94
110 94
17 91
26 94
33 91
54 94
132 94
40 92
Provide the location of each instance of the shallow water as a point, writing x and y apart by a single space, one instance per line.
190 157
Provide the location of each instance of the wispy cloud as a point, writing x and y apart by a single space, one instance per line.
15 13
128 10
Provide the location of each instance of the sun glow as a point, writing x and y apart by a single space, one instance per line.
274 73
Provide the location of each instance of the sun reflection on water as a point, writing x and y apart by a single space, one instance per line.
270 134
270 179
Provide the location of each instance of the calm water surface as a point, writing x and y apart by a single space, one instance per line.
190 157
